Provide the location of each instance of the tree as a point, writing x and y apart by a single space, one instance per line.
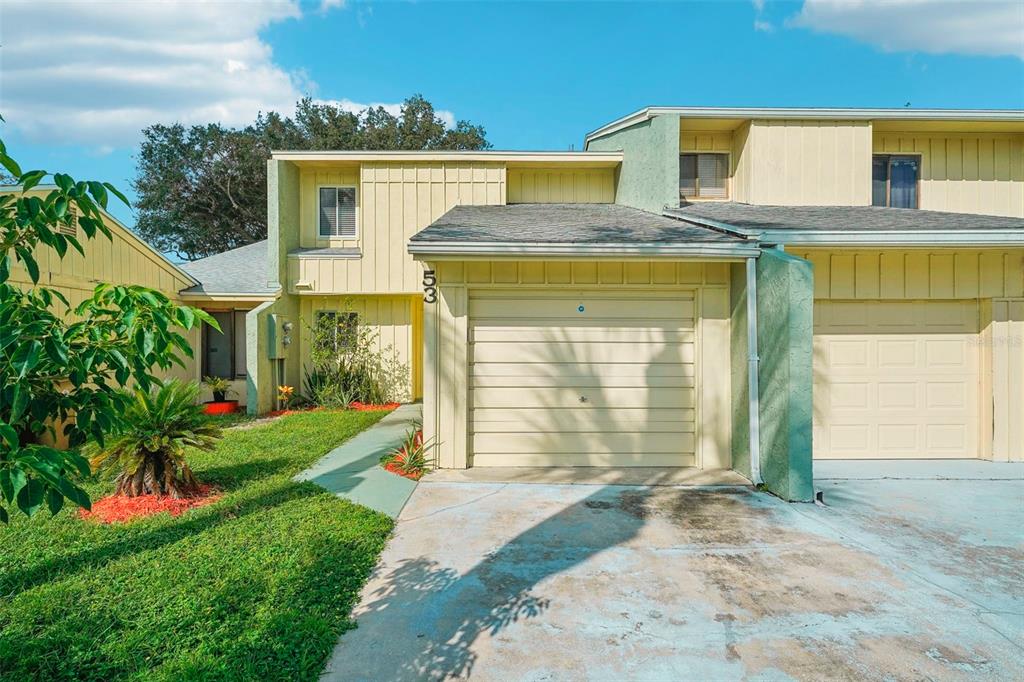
147 456
59 369
202 190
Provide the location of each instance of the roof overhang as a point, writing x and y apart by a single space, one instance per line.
809 113
225 297
865 238
424 250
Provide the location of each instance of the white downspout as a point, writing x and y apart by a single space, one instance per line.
752 369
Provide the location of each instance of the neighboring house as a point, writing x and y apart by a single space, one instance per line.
123 259
590 308
229 285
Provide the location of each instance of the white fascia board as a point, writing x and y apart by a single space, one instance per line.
652 250
488 155
809 113
219 296
916 238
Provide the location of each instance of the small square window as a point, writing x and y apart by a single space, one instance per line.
338 212
894 180
703 176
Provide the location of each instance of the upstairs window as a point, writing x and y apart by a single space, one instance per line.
338 212
894 180
703 176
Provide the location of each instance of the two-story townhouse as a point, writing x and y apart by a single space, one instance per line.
913 222
675 294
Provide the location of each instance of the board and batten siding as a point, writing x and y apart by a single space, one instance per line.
992 277
916 274
394 201
561 186
396 323
804 163
965 172
447 326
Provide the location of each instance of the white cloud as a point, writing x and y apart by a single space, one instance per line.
394 109
758 5
96 73
980 27
763 26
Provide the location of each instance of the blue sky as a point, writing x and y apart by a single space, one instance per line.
537 75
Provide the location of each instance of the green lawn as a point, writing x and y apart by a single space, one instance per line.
257 586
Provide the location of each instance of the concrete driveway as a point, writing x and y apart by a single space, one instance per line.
896 578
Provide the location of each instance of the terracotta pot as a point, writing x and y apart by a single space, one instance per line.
220 407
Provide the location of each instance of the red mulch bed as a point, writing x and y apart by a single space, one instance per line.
393 468
119 508
364 407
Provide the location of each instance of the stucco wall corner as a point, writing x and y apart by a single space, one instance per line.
785 299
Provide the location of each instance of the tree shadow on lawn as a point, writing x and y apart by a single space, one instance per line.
127 540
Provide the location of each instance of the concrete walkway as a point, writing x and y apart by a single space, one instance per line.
352 470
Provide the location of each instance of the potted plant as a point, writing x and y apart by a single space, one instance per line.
220 387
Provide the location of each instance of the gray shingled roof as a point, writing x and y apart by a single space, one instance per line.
564 224
238 271
845 218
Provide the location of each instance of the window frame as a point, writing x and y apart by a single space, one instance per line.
332 237
205 360
919 156
351 315
728 175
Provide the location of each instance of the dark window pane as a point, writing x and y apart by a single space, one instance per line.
903 182
218 346
879 178
687 175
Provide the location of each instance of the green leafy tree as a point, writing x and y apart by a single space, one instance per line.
61 370
202 190
147 456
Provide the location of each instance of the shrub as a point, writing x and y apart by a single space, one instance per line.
148 455
348 364
413 457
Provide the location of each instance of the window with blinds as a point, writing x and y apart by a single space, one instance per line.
703 176
338 212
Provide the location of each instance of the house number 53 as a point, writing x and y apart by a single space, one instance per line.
429 286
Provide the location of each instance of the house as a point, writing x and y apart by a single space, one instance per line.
123 259
700 287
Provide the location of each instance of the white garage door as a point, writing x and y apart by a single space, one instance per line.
581 378
896 379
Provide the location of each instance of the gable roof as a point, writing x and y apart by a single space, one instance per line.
238 272
570 229
837 225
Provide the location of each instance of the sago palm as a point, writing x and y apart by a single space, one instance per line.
147 456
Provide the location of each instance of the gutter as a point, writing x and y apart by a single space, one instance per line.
910 238
647 250
753 367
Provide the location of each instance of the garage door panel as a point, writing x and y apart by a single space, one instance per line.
568 442
490 420
647 397
584 459
547 307
581 370
596 353
896 379
581 382
612 384
570 332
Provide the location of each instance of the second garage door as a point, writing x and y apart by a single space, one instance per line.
581 378
896 379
